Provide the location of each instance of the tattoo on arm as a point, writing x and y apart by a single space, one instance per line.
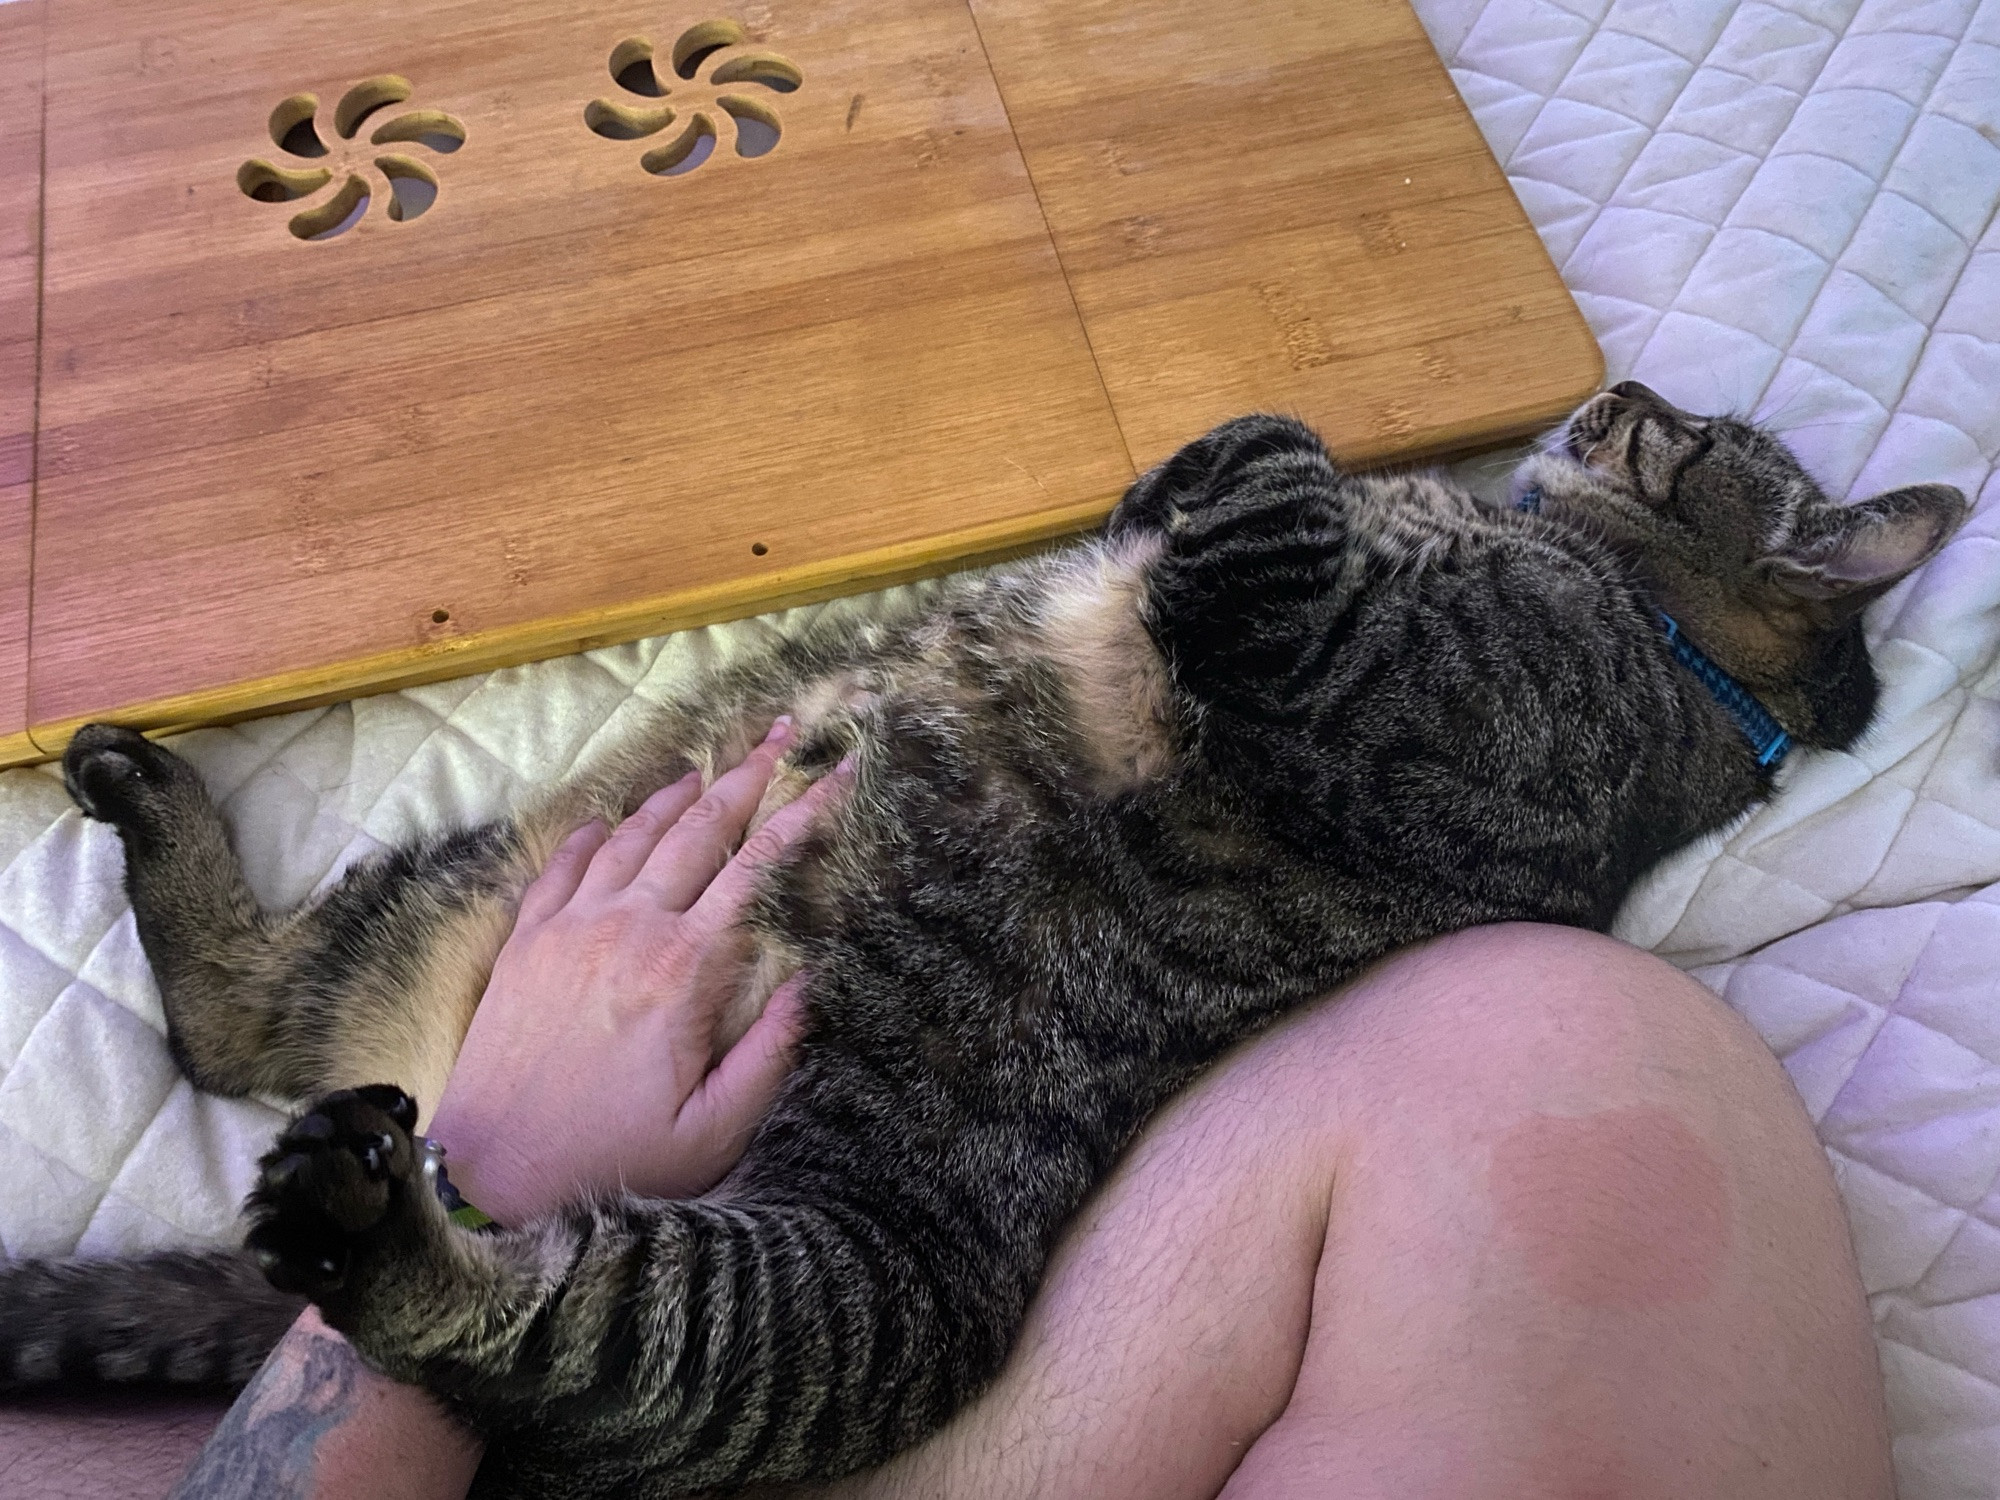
266 1447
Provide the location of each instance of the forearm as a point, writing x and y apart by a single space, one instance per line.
318 1424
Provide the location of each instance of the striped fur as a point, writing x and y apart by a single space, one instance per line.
1116 809
69 1323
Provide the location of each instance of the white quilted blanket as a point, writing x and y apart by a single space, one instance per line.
1785 208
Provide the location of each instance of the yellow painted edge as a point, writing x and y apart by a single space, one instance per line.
560 635
1510 424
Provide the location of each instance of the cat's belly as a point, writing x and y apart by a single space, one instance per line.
1075 615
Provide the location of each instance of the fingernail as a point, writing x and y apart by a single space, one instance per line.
780 727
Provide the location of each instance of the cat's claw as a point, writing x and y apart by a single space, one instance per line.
118 776
330 1185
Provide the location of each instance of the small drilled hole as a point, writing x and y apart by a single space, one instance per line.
758 549
440 616
632 68
698 42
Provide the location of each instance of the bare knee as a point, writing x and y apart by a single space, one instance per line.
1577 1197
1500 1019
1621 1128
1559 1061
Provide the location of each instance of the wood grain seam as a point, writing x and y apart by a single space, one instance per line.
1055 244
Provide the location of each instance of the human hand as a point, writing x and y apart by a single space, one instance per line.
587 1064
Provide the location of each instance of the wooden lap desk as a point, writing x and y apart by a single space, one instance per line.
658 315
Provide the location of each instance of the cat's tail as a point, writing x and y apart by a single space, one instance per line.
179 1318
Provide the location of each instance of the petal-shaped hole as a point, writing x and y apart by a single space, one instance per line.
266 183
292 126
632 67
702 38
427 127
780 74
413 188
757 127
367 96
625 122
337 215
684 152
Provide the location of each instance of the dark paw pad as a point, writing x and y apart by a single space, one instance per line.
120 777
332 1186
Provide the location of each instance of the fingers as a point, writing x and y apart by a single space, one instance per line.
682 862
550 891
722 903
625 852
739 1089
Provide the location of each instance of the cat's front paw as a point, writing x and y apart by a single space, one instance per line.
120 777
333 1185
1211 470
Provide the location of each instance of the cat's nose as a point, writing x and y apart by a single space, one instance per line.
1632 390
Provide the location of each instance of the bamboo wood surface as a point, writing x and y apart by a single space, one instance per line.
20 250
575 402
568 388
1269 205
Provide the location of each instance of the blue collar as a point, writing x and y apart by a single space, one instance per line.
1766 736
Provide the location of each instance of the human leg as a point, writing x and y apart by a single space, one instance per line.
1520 1213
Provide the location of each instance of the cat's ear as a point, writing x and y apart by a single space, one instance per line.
1870 545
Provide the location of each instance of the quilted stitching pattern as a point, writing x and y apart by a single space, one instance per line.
1787 208
1886 1021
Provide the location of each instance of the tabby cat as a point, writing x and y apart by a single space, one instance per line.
1116 808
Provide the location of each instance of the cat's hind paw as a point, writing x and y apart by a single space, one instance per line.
331 1186
120 777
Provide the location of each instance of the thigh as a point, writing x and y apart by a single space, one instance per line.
1174 1313
1521 1212
1582 1242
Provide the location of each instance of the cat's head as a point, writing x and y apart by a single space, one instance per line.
1731 536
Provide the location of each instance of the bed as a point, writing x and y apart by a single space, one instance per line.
1787 210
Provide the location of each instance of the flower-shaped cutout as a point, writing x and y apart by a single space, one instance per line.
636 69
296 131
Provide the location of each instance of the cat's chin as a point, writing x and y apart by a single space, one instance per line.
1554 472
